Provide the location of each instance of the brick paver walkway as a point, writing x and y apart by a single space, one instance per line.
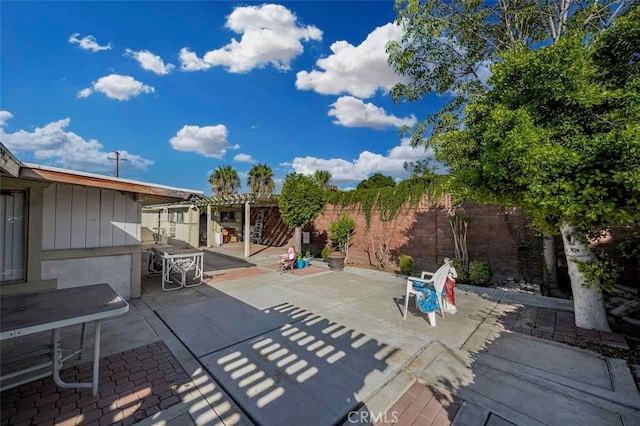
304 271
133 385
422 406
234 274
558 325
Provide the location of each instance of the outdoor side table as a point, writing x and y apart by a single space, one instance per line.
24 314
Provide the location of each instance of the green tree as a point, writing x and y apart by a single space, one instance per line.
341 234
224 181
377 180
449 45
559 134
260 180
323 177
300 202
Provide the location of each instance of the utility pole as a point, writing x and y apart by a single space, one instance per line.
117 159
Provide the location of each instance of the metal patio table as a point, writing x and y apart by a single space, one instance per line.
50 310
178 261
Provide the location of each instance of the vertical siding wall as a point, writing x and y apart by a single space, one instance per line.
77 217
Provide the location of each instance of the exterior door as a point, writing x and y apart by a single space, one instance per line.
12 236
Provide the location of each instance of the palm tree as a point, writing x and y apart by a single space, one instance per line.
323 177
260 180
224 181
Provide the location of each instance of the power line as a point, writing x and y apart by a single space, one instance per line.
117 159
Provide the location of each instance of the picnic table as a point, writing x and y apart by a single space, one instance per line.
169 260
50 310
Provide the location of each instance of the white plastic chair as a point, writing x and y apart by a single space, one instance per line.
435 279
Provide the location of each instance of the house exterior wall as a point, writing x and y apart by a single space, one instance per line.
77 272
180 224
86 229
149 225
34 281
77 217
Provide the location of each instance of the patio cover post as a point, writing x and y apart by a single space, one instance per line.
247 229
209 227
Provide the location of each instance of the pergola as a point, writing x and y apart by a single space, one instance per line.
237 200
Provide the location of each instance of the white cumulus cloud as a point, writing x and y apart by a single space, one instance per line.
270 34
85 93
210 141
115 86
353 112
189 61
150 61
367 163
53 143
244 158
4 117
359 70
88 43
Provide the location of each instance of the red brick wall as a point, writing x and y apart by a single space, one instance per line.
424 233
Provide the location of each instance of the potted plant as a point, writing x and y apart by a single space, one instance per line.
300 262
341 234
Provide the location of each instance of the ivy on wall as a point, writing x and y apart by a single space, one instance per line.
389 202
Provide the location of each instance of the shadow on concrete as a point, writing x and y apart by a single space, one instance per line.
504 377
283 365
214 261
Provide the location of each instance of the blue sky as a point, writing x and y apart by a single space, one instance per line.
183 87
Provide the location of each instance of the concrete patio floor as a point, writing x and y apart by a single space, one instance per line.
286 349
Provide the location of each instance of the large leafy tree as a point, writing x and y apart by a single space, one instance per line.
300 202
559 134
449 46
376 180
260 180
224 181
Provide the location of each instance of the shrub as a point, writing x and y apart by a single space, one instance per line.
406 264
325 252
308 254
480 273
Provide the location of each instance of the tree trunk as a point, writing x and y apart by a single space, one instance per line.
297 239
550 271
588 302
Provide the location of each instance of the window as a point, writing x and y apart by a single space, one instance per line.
176 216
12 235
227 216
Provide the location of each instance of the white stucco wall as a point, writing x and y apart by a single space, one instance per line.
113 270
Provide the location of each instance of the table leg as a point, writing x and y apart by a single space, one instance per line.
83 339
58 360
96 360
199 270
167 267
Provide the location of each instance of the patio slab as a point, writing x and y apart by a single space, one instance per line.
519 393
312 372
561 360
214 324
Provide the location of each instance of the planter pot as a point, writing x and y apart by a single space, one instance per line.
336 261
300 264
